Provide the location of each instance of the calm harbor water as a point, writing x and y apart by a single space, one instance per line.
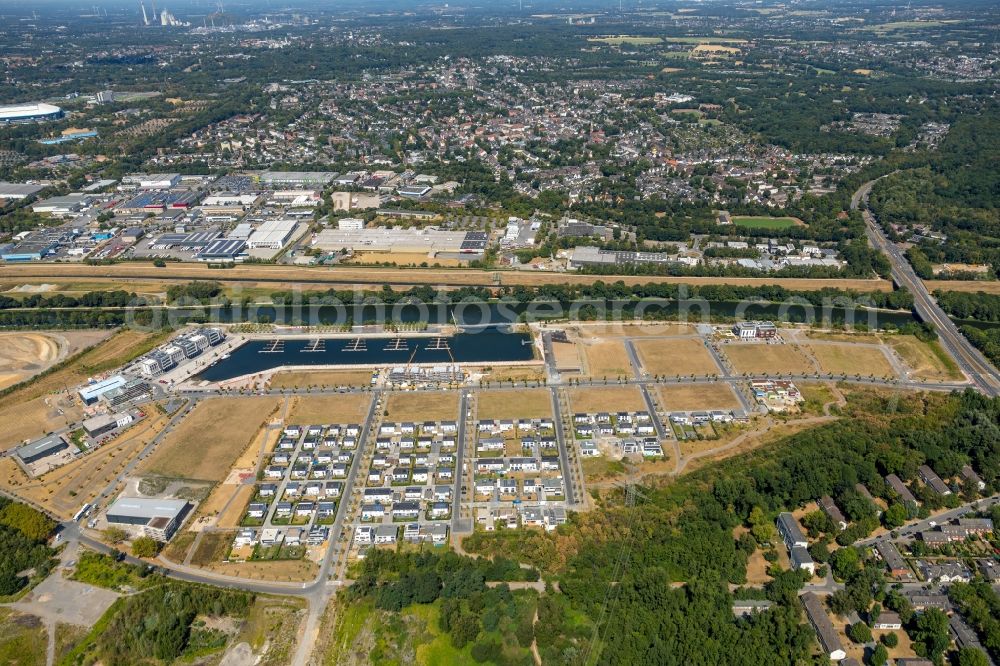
489 345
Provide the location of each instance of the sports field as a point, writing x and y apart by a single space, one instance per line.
692 397
760 222
210 439
677 357
759 359
421 407
519 404
606 399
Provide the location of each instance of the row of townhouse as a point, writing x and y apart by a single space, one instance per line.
410 493
314 471
528 444
405 510
551 487
382 460
373 535
324 489
425 428
957 531
702 417
494 466
316 457
323 509
316 432
420 443
608 428
581 418
291 536
510 425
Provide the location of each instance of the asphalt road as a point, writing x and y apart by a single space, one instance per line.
969 359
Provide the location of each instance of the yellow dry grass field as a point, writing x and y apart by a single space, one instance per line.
761 359
67 488
607 359
44 405
675 357
306 378
207 443
519 404
402 259
23 355
989 286
606 399
422 407
325 275
232 514
928 361
852 359
696 397
715 49
844 336
325 409
633 330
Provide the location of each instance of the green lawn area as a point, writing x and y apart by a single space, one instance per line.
761 222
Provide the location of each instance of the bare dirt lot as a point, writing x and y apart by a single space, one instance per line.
306 378
520 404
675 357
23 355
771 359
44 404
851 359
692 397
325 409
422 407
606 399
207 443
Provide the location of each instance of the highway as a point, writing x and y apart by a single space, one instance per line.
971 361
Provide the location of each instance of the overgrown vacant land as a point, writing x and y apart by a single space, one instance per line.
523 404
685 398
675 357
324 409
422 407
928 360
633 329
32 410
761 359
306 378
852 359
208 441
757 222
606 399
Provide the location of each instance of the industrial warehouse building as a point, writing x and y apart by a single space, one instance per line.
156 518
43 448
25 113
272 235
380 239
90 393
104 423
12 191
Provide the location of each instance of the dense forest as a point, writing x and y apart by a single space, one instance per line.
620 564
24 534
955 195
